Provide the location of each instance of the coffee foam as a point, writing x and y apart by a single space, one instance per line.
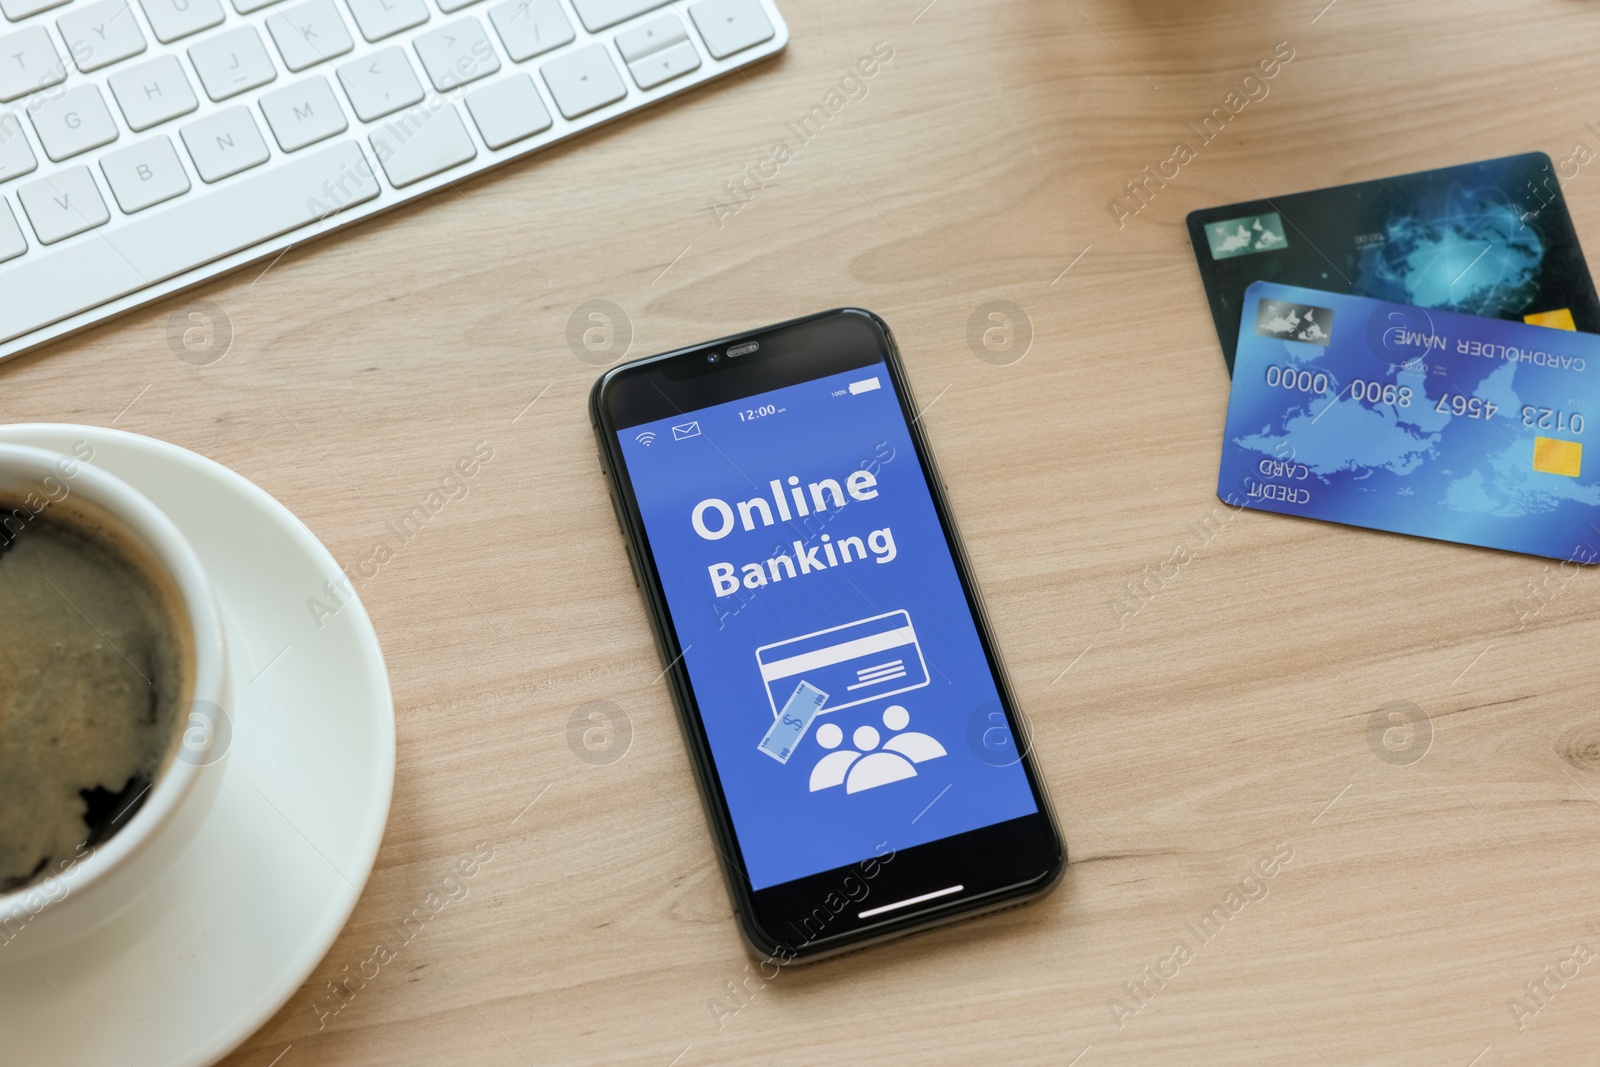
96 674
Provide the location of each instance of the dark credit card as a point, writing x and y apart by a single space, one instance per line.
1492 239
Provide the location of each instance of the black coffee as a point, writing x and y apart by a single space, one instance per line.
93 673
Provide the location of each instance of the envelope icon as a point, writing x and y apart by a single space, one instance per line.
685 430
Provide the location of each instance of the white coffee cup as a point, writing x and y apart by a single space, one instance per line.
83 892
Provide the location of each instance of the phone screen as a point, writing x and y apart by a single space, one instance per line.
845 692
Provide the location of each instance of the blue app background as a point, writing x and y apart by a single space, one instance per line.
906 797
1410 467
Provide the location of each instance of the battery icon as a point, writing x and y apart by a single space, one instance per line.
866 385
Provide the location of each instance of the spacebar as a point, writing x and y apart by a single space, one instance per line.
38 290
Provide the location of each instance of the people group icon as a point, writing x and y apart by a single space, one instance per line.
868 766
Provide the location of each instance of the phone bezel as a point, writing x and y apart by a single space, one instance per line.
1000 864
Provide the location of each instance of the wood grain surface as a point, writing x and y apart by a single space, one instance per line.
1221 717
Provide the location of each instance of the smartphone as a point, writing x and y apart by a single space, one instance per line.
862 762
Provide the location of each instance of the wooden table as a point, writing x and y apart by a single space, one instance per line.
1223 715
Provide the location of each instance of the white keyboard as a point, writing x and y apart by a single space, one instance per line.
148 145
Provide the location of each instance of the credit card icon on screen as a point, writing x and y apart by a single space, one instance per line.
856 662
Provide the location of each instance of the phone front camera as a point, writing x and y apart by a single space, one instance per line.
712 358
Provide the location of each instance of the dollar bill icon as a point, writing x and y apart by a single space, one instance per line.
793 721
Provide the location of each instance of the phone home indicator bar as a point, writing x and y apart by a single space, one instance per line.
870 912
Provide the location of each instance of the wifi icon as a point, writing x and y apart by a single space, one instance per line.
647 438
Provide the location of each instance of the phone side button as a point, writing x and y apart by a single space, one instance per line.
616 510
633 564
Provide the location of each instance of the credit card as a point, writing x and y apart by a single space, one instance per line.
1491 239
860 661
1429 423
793 721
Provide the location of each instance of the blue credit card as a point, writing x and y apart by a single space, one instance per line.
1415 421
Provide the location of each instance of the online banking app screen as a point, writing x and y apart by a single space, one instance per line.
839 675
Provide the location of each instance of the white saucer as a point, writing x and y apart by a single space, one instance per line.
225 937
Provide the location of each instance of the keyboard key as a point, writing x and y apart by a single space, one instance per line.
530 27
15 10
653 36
380 84
224 144
309 34
384 18
661 67
73 122
153 92
64 204
508 110
144 174
244 7
173 20
31 63
232 62
16 158
730 26
448 6
45 288
303 113
597 15
422 143
584 80
101 34
456 53
12 243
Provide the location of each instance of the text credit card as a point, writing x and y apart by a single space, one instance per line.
1415 421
